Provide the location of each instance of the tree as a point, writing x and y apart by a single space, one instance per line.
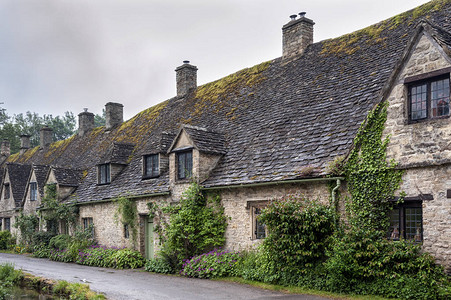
100 120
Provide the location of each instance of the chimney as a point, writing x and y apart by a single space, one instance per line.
24 143
46 136
186 77
85 122
5 149
114 114
297 36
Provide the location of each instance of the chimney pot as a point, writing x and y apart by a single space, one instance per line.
186 78
46 136
114 114
297 36
85 122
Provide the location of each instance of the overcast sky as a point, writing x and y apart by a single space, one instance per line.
65 55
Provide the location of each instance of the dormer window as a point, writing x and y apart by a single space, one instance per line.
151 166
33 191
429 98
184 164
7 193
104 174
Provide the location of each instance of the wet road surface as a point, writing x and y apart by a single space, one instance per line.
138 284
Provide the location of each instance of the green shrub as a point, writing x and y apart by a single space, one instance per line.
363 263
61 255
98 256
27 225
158 265
42 238
5 240
61 241
41 251
216 263
127 259
197 225
300 231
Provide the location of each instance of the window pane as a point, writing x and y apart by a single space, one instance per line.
418 101
440 97
181 165
394 232
260 232
413 226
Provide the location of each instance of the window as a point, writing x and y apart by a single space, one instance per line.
33 191
429 98
104 174
7 191
7 222
406 222
184 165
259 227
52 226
151 166
88 224
126 231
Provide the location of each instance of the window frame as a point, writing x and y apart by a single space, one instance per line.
401 233
33 191
153 173
7 190
185 153
427 79
7 224
126 231
255 207
104 169
88 221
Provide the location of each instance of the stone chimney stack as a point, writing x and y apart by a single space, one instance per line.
186 77
297 36
24 143
85 122
114 114
46 136
5 149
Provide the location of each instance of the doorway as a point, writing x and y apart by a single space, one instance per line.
149 232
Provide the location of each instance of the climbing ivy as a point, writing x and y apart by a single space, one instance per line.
53 211
127 214
372 180
27 225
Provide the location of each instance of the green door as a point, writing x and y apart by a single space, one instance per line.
149 238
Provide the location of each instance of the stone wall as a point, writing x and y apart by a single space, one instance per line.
236 204
423 149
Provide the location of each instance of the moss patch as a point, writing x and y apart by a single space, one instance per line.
349 43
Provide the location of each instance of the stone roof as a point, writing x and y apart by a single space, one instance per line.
18 178
41 173
278 120
205 140
67 177
118 153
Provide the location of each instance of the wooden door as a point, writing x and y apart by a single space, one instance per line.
149 238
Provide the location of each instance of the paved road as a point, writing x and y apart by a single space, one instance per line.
136 284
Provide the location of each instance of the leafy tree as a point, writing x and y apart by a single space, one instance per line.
100 120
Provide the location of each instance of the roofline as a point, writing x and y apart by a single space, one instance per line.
222 187
128 197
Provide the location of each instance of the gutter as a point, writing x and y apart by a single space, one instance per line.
222 187
129 197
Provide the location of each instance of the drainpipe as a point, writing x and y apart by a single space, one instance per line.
334 200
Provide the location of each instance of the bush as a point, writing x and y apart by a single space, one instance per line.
197 225
61 255
96 255
127 259
41 251
61 241
6 240
363 263
216 263
300 231
158 265
42 238
8 278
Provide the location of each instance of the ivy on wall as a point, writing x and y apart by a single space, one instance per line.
53 210
127 214
372 180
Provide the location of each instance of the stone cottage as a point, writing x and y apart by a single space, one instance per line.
264 132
